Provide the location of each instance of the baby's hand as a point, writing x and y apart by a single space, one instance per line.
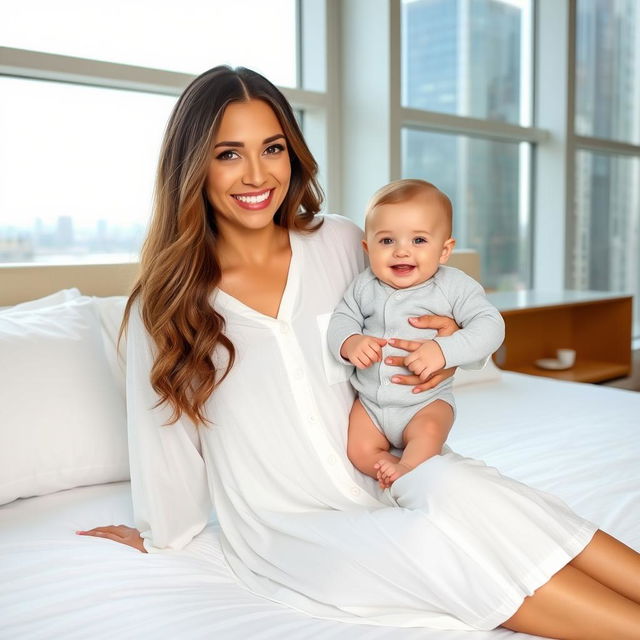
362 351
425 360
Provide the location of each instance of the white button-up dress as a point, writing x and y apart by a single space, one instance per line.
453 544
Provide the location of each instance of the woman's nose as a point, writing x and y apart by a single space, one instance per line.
254 174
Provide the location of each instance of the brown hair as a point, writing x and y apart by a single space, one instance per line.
179 265
404 190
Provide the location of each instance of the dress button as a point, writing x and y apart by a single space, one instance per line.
312 418
397 296
386 381
332 459
355 491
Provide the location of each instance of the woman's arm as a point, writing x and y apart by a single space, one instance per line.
169 490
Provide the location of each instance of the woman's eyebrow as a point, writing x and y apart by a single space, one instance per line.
232 143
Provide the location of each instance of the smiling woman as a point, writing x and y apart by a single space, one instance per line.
248 174
242 140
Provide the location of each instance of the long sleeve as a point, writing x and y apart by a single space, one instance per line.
482 325
171 502
346 320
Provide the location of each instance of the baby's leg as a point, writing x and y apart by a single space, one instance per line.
423 437
366 444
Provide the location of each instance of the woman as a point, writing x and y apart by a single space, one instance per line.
233 397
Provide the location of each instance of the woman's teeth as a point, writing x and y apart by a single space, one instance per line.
254 199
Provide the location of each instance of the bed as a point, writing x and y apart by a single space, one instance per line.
58 473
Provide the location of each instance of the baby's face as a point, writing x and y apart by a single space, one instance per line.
407 241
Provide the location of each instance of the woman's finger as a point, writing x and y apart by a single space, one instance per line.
444 325
405 345
406 380
111 530
434 380
395 361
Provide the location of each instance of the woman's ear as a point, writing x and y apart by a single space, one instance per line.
447 248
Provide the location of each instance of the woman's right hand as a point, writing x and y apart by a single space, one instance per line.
444 326
118 533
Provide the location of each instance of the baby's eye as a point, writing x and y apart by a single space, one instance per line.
229 154
386 240
274 149
419 240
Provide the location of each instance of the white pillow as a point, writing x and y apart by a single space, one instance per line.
62 418
111 311
48 301
489 373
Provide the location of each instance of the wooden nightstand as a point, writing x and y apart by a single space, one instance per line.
596 324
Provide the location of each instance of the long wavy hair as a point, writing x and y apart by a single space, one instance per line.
179 267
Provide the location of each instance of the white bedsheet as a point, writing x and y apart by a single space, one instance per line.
581 442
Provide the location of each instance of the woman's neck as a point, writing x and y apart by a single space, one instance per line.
250 248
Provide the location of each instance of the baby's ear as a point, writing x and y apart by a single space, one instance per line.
447 248
365 247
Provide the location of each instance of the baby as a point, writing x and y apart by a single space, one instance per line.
408 240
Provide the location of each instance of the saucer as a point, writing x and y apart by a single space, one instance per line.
552 363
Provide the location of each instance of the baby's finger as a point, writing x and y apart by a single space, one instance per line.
372 355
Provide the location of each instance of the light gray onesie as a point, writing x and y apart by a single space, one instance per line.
374 308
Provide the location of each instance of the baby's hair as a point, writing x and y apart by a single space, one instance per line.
404 190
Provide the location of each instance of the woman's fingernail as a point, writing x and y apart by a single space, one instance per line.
413 319
395 379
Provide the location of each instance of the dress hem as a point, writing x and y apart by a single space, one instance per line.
539 577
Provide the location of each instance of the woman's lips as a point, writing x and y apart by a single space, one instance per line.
255 200
402 269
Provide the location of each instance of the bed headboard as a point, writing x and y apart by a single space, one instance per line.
27 282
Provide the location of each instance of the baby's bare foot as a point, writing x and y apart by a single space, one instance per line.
389 472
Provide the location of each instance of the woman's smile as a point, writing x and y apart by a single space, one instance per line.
254 200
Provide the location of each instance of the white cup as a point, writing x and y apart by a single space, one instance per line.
566 357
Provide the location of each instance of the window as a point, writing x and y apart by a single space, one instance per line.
465 58
607 225
77 166
466 91
607 73
486 181
606 217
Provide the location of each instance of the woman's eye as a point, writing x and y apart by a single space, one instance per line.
227 155
419 240
274 148
386 241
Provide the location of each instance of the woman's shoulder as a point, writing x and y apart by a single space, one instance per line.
337 228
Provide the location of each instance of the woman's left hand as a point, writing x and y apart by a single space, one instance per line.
444 326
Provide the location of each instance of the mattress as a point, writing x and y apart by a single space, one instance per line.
580 442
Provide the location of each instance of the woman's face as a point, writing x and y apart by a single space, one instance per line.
249 173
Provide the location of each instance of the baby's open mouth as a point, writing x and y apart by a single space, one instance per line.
402 269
